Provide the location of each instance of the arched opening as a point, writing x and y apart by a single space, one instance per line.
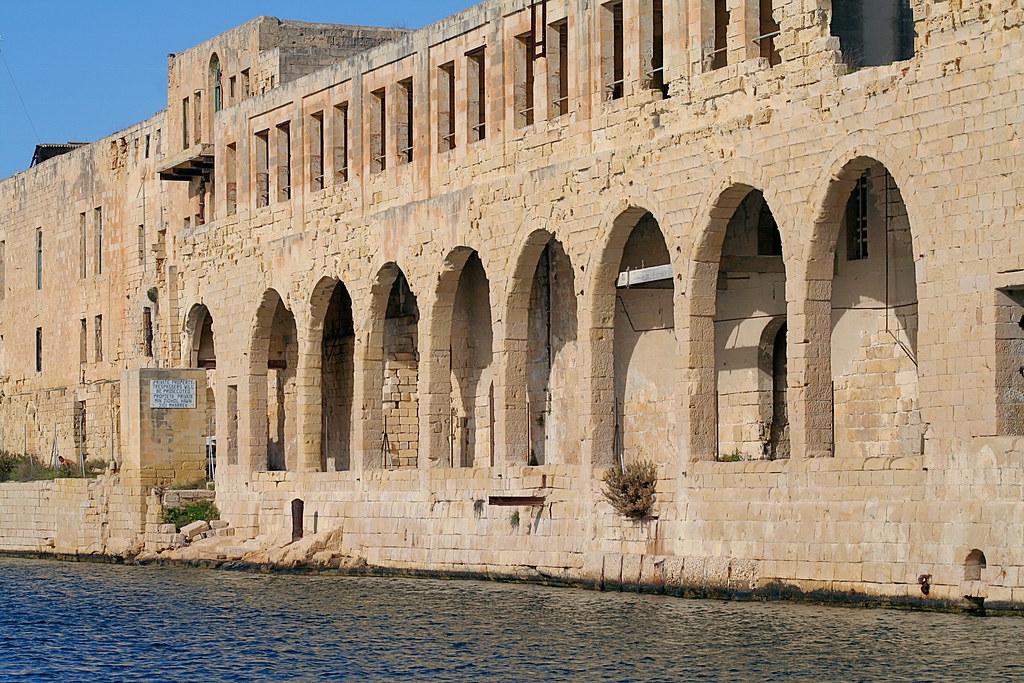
644 347
203 354
552 377
470 356
215 83
873 345
274 360
337 368
399 371
750 336
974 564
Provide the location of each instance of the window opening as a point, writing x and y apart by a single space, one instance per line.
656 73
83 342
262 168
612 60
99 241
83 243
147 146
524 82
284 162
215 72
184 124
231 178
98 341
720 55
873 35
147 332
197 116
404 121
446 107
246 91
769 31
378 126
316 151
477 90
142 245
39 258
857 220
341 142
558 67
39 349
232 89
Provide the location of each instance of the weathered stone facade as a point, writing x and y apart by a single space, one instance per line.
775 253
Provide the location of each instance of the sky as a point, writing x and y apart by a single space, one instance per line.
79 70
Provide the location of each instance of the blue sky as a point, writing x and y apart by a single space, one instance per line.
86 69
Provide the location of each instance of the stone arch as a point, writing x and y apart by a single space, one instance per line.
862 286
273 359
632 336
974 564
463 335
328 370
541 375
391 370
216 86
200 350
738 289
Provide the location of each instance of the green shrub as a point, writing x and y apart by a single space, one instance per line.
631 491
8 463
180 515
735 456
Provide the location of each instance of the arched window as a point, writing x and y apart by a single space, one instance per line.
215 83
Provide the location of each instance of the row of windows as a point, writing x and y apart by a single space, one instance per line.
97 335
275 145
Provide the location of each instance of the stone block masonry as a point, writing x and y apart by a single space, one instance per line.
439 280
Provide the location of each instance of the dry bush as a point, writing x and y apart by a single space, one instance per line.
631 491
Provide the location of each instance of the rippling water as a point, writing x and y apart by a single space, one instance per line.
90 622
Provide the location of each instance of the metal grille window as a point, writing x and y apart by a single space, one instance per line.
857 220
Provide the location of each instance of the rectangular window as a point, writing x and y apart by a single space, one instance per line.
446 107
524 85
147 146
231 178
39 349
655 66
83 342
99 240
262 160
612 58
558 67
232 83
98 340
197 116
184 124
476 106
284 162
720 57
316 151
147 332
768 32
83 246
39 258
857 220
246 91
142 245
404 121
341 142
378 126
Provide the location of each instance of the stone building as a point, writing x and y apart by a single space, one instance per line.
769 245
